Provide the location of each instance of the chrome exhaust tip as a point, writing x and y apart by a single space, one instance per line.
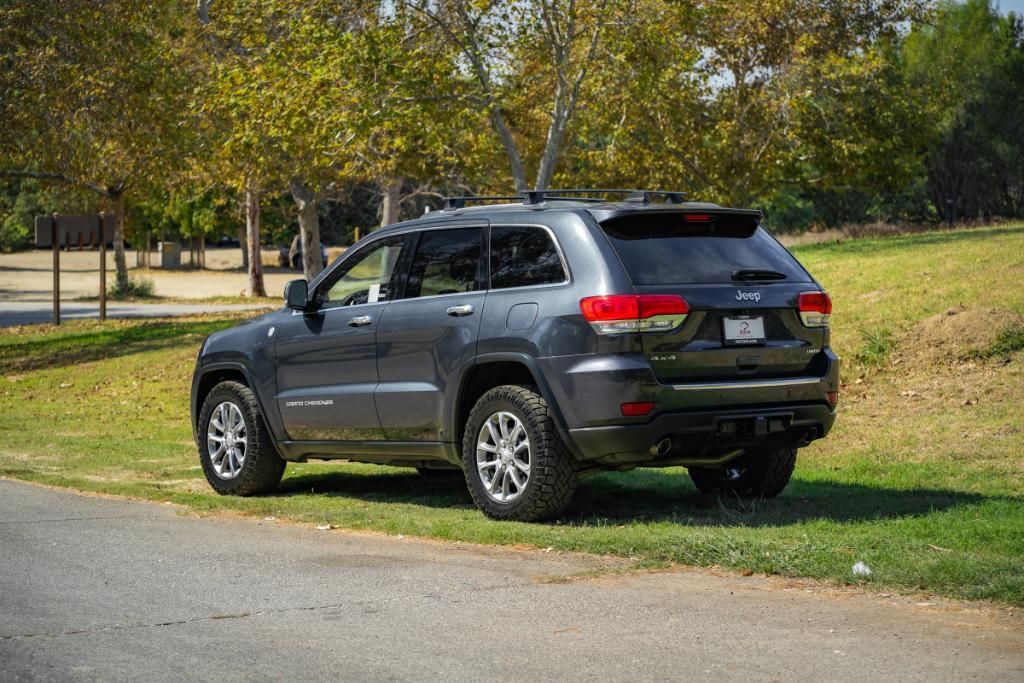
662 447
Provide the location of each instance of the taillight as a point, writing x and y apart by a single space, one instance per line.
815 309
620 313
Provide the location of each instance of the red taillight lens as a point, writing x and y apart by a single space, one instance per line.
637 409
815 308
618 313
697 217
599 308
832 397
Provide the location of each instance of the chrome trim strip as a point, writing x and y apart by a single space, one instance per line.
752 384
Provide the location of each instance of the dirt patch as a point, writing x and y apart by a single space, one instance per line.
953 336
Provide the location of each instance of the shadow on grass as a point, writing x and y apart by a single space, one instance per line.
653 496
33 351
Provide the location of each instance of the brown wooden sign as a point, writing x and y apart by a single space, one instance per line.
88 231
76 232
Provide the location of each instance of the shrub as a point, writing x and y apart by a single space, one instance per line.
137 288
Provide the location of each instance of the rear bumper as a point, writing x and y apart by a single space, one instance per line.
704 419
700 435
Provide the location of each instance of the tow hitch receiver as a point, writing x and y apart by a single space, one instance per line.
760 425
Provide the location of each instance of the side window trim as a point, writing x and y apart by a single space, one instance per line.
567 274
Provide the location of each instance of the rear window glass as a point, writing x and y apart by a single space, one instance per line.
659 249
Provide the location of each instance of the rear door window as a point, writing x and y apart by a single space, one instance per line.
445 262
660 249
522 256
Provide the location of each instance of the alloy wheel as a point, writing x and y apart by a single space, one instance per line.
503 456
226 440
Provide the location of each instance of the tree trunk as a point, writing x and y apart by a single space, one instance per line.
390 204
243 244
120 263
252 228
511 149
309 227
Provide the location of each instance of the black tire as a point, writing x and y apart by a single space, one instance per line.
552 478
262 468
760 474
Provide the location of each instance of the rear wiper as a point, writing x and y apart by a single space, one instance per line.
757 274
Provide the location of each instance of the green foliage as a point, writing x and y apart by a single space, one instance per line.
1010 340
876 345
820 114
136 288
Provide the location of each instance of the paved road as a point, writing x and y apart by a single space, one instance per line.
92 588
27 313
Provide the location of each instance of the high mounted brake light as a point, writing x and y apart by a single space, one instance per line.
623 313
815 309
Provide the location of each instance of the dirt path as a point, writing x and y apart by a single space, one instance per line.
28 276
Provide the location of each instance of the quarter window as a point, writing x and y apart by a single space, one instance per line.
446 262
522 256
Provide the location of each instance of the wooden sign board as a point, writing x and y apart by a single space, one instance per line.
76 232
58 231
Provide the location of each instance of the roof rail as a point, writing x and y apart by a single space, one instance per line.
451 203
539 196
642 196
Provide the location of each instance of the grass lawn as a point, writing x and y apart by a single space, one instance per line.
921 478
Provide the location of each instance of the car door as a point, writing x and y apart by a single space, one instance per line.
326 357
429 333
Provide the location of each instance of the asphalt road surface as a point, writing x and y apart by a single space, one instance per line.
28 313
93 588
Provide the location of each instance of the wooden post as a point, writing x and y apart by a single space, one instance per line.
103 268
55 236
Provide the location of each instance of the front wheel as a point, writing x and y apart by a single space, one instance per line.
234 446
759 474
516 466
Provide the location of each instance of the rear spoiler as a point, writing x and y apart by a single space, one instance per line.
698 217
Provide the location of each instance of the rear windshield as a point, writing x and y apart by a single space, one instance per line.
659 249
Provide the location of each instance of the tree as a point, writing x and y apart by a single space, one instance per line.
495 39
91 97
738 101
970 62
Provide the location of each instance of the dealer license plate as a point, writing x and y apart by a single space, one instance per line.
747 329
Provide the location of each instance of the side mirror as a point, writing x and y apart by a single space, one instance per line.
296 295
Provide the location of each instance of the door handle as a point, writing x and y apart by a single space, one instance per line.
459 311
360 320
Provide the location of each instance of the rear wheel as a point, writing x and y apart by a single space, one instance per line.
516 466
760 474
234 446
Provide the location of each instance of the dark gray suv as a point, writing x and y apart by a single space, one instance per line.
529 343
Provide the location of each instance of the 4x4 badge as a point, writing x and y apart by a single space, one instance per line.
747 296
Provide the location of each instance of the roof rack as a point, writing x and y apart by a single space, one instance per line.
451 203
633 195
539 196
